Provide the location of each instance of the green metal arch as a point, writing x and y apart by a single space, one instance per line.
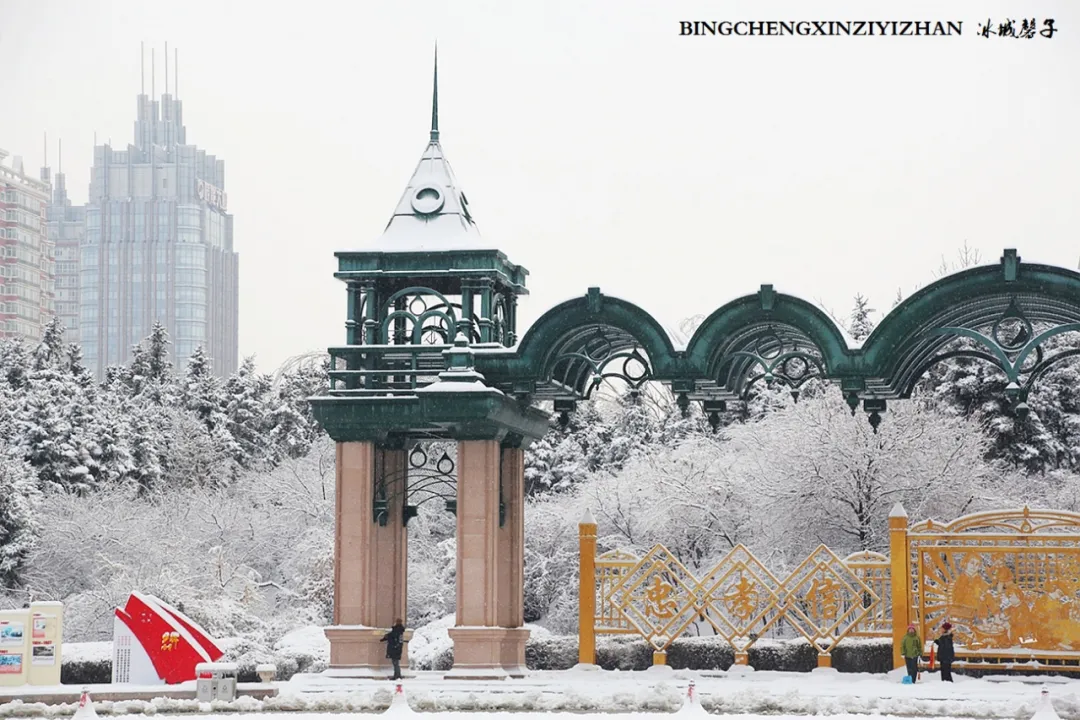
895 350
767 306
537 350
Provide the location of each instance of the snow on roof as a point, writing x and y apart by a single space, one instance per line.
433 212
443 386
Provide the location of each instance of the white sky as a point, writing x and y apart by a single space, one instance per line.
597 147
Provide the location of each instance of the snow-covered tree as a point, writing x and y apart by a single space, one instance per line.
202 392
19 498
246 395
14 362
566 454
859 324
145 453
1047 438
150 374
833 480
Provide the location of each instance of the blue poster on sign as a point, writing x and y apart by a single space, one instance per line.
10 664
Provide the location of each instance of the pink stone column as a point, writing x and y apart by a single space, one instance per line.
370 560
489 640
511 550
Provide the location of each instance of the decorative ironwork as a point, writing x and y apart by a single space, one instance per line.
825 600
611 568
416 320
1009 582
771 358
426 479
1013 346
500 326
873 569
740 598
602 355
658 598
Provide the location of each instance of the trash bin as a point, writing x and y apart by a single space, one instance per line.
215 681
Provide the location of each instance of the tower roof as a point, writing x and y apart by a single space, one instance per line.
433 213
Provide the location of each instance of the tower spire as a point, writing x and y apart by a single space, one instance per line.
166 67
435 99
142 68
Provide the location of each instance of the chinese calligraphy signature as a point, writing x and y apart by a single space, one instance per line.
1026 29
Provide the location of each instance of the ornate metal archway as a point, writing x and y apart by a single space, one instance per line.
433 353
1002 314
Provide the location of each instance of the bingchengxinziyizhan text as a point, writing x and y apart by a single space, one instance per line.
856 28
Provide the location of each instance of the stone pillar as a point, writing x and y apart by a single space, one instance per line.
511 551
480 642
370 569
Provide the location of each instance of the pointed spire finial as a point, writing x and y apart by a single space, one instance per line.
435 99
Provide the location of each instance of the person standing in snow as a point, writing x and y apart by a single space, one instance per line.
945 652
911 648
395 642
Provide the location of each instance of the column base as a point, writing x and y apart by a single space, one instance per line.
359 652
486 653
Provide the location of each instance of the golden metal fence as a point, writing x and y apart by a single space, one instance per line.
1009 581
825 598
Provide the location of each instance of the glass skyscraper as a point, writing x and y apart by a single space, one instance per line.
158 246
67 228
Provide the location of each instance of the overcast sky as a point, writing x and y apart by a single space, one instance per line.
597 147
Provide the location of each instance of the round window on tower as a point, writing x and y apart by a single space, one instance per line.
428 200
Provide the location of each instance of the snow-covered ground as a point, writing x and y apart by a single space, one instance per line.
747 695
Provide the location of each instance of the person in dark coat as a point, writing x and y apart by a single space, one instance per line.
395 643
945 653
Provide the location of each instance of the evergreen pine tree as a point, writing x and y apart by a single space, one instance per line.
202 392
145 449
14 362
246 409
18 524
860 325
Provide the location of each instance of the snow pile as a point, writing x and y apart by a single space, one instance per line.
88 652
307 646
431 647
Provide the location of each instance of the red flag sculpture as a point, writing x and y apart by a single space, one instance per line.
154 643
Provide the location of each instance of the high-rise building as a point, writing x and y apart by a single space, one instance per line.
67 228
26 256
158 245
